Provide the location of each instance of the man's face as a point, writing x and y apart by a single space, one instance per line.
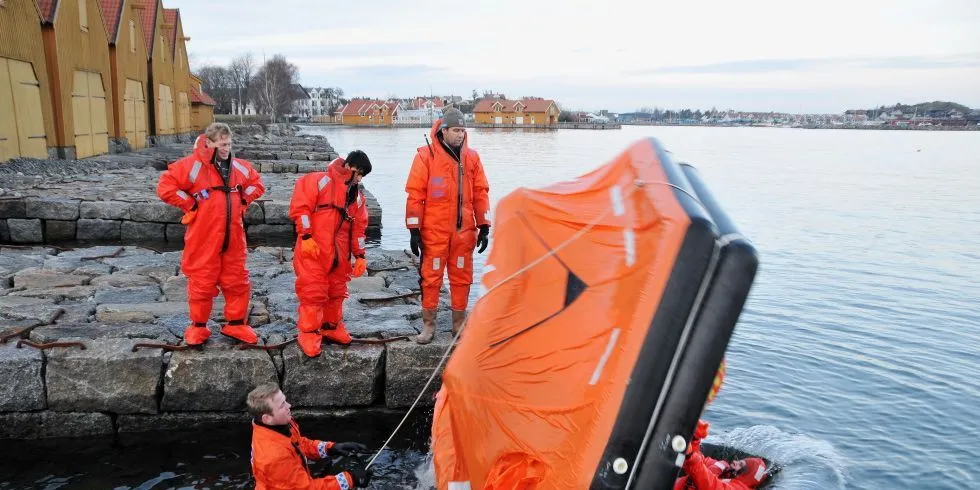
355 174
454 136
280 410
223 145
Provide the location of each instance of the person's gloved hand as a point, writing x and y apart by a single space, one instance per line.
309 247
361 477
483 238
360 266
189 215
416 241
346 448
701 431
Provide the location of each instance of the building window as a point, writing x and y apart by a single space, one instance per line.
132 36
83 15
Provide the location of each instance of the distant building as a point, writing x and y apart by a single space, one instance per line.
127 60
532 111
369 112
202 106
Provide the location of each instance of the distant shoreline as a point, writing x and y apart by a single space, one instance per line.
881 127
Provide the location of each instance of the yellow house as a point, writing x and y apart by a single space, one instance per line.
161 95
368 112
127 62
76 48
26 114
202 106
527 111
182 73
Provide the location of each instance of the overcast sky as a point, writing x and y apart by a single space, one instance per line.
824 56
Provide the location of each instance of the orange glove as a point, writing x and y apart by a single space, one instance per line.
360 266
189 216
309 247
700 432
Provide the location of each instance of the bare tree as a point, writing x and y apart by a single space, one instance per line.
272 86
241 70
217 81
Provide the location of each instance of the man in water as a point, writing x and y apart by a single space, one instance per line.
448 202
280 454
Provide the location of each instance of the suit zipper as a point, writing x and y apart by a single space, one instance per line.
459 194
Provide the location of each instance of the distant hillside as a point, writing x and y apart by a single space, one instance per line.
923 108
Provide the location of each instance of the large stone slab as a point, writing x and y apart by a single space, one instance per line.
338 377
130 424
104 210
217 378
154 211
92 331
42 279
254 214
89 253
408 367
59 294
57 230
138 294
98 229
122 280
21 383
52 208
13 208
136 231
276 213
47 424
265 230
25 230
4 231
175 232
138 312
106 377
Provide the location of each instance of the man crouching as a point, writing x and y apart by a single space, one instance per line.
280 454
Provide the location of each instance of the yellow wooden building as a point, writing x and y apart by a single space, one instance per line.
182 73
202 106
160 73
127 62
76 49
526 111
26 113
368 112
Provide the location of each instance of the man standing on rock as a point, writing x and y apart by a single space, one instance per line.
213 189
331 217
448 200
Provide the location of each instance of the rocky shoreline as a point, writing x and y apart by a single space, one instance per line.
73 323
93 305
112 198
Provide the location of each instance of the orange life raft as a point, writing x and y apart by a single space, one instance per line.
610 302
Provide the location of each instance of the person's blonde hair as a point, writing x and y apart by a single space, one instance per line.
259 400
217 130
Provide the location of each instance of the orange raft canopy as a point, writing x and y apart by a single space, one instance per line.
610 302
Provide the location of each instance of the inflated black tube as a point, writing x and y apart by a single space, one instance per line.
648 376
724 299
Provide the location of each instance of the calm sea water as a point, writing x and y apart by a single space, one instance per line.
853 365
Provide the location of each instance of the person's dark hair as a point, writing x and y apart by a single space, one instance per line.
359 160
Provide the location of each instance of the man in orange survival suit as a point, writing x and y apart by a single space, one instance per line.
448 200
213 189
331 217
280 454
704 473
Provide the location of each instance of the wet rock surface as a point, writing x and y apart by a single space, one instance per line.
111 299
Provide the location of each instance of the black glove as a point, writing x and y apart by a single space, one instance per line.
361 477
347 448
416 242
483 238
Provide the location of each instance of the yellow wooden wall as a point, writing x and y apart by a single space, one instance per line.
21 39
201 116
128 57
163 74
182 81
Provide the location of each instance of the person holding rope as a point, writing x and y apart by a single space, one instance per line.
280 453
447 214
331 217
213 189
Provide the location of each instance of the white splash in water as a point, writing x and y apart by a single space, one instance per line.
806 463
425 473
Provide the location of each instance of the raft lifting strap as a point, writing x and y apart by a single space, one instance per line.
636 185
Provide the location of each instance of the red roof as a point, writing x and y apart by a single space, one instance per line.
419 102
149 18
47 9
201 97
170 17
528 104
111 13
360 107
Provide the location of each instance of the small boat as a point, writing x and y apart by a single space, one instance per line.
610 300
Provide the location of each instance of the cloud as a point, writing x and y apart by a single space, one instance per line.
967 60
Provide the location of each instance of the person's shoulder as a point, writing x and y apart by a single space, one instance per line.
247 163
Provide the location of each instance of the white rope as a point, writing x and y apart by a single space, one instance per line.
522 270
